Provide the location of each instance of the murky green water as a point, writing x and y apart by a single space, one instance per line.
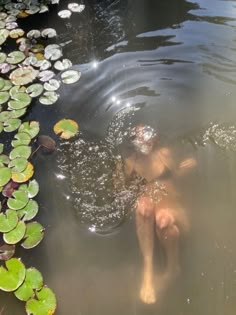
170 64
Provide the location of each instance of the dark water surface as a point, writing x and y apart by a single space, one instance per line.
171 64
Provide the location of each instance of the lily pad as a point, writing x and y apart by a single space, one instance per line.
64 14
46 75
2 83
75 7
24 176
32 128
23 75
21 138
5 67
18 113
16 33
18 165
70 76
5 115
49 33
4 159
12 25
43 64
20 101
6 251
33 188
29 211
3 57
33 281
30 61
15 90
21 151
48 98
15 235
19 201
33 235
1 147
5 175
53 52
66 128
12 277
33 34
15 57
44 303
51 85
63 64
7 85
3 35
4 97
35 90
12 124
8 221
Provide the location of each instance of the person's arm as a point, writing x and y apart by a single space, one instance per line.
123 171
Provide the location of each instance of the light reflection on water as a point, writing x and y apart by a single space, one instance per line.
174 63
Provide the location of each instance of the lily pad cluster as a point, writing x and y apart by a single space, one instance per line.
27 285
71 8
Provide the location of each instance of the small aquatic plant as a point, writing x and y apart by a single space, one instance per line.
27 72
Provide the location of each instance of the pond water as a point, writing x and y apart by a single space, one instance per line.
170 64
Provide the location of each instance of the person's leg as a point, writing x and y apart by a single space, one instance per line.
145 233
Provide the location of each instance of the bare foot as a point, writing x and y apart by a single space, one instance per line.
147 292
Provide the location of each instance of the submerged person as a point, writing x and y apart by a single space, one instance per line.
158 209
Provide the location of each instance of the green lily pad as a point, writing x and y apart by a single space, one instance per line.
53 52
21 138
48 98
18 165
18 113
24 176
19 201
23 75
8 221
6 251
44 303
4 97
33 235
63 64
3 57
5 175
12 277
20 101
21 151
29 211
33 281
3 35
15 57
70 76
7 85
2 83
46 75
4 159
35 90
1 127
52 85
33 188
15 90
16 33
12 124
30 61
66 128
15 235
32 128
5 115
1 147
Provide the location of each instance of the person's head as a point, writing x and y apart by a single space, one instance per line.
143 138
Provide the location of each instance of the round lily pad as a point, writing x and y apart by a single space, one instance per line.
53 52
3 35
64 14
21 138
33 188
16 33
15 57
33 34
19 201
15 90
49 33
1 147
75 7
33 281
2 83
12 124
44 64
18 165
21 151
35 90
12 276
5 175
46 75
63 64
5 67
43 303
24 176
4 97
11 25
29 211
6 251
4 159
8 221
66 128
52 85
7 85
30 61
15 235
3 57
32 128
23 75
20 101
5 115
70 76
48 98
18 113
33 235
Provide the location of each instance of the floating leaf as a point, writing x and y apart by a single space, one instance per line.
6 251
3 57
4 159
33 188
46 75
3 35
53 52
15 235
32 128
63 65
12 124
21 138
3 15
20 101
21 151
2 83
5 175
30 61
18 165
75 7
33 34
66 128
7 85
8 221
23 75
19 201
5 67
44 303
11 25
64 14
2 24
37 48
15 90
1 147
33 235
43 64
5 115
12 277
33 281
24 176
16 33
4 97
15 57
35 90
49 33
18 113
70 76
32 9
52 85
29 211
48 98
9 189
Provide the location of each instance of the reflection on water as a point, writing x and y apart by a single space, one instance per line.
170 64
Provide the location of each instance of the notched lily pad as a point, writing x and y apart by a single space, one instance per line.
49 33
16 33
75 7
15 57
46 75
33 235
43 303
32 128
51 85
70 76
48 98
23 75
21 138
29 211
15 235
6 251
63 64
35 90
24 176
19 200
33 188
5 175
12 276
18 165
66 128
4 97
21 151
8 221
12 124
64 14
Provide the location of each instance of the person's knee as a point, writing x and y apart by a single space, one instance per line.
166 225
145 207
